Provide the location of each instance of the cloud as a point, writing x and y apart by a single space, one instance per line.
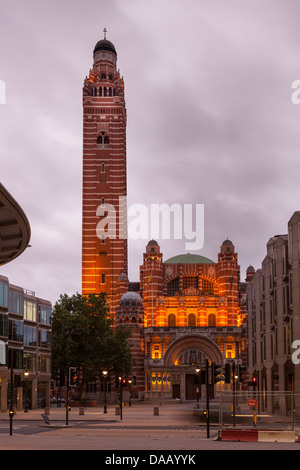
210 120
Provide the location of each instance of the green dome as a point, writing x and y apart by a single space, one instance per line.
189 259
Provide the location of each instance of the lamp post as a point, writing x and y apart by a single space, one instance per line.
26 374
130 382
104 373
197 370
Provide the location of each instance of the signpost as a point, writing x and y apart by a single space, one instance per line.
252 402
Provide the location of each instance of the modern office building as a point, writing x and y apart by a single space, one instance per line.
25 335
25 325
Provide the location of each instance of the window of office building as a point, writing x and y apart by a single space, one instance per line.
15 330
3 325
44 363
45 314
30 310
16 302
29 362
45 339
29 336
3 295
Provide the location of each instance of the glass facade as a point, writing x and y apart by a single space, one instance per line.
25 335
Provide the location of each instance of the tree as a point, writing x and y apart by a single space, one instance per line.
83 337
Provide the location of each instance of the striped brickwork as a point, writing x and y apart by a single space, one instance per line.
104 178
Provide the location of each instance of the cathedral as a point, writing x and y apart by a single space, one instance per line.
184 310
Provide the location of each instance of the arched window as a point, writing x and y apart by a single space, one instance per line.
172 320
103 141
100 90
95 91
103 76
105 91
192 319
212 319
110 91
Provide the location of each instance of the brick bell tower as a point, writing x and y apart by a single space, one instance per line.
104 212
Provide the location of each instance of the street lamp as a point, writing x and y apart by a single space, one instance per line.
26 374
104 373
197 370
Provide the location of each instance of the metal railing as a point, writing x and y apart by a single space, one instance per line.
248 409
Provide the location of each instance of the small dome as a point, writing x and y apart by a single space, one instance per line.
227 242
250 269
105 45
122 277
152 243
131 297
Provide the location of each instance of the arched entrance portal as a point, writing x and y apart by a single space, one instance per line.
185 353
194 342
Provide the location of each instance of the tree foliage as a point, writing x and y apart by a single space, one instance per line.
83 337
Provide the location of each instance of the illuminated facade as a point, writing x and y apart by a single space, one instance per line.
104 175
192 313
183 310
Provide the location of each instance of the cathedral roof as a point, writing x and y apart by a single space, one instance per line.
189 259
105 45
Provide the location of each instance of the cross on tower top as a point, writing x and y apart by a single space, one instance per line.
105 31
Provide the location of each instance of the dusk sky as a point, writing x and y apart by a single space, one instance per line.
208 87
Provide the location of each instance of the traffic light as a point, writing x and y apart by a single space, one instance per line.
60 378
242 373
217 371
227 373
73 376
254 381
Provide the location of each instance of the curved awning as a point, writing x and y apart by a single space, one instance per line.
14 228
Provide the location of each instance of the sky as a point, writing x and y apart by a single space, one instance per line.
210 120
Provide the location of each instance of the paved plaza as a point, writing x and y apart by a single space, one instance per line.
143 427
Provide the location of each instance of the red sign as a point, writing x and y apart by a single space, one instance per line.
252 402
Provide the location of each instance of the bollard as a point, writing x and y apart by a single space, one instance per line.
117 410
81 410
156 411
